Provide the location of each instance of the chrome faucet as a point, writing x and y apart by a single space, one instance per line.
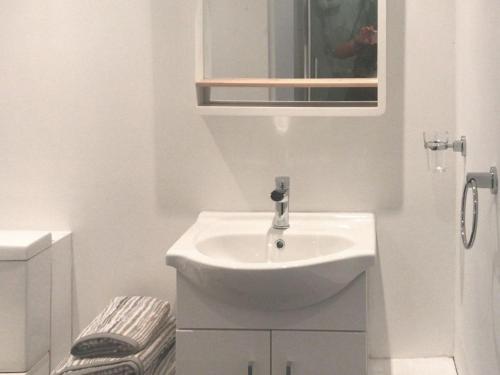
280 195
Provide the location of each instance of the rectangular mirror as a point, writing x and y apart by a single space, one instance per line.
293 53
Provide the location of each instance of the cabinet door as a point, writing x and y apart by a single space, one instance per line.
318 353
223 352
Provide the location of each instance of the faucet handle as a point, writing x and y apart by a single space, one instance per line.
277 195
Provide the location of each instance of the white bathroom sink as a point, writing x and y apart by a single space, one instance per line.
236 256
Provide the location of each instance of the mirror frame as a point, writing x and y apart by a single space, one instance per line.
241 108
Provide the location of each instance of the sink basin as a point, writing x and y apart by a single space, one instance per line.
237 258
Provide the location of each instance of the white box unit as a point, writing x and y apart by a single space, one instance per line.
35 300
25 299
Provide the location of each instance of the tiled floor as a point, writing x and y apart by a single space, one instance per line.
424 366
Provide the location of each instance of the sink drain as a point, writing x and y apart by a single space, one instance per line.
280 244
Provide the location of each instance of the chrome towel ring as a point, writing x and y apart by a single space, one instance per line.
468 243
475 181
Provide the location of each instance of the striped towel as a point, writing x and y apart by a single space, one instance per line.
125 327
167 366
158 358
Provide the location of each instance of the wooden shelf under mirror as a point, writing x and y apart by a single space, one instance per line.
290 82
205 87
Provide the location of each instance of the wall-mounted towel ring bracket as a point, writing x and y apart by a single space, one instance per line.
476 181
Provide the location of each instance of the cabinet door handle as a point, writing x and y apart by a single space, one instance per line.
289 368
250 368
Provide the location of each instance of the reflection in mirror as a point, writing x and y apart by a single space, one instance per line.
315 51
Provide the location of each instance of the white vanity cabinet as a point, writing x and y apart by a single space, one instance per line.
215 338
240 313
318 353
223 352
270 352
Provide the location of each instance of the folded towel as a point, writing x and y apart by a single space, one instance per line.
157 357
125 327
167 366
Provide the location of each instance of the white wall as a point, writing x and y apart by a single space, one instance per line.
478 112
99 134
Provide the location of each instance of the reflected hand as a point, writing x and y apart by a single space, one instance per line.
366 36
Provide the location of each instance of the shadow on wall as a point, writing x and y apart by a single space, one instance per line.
229 163
334 164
